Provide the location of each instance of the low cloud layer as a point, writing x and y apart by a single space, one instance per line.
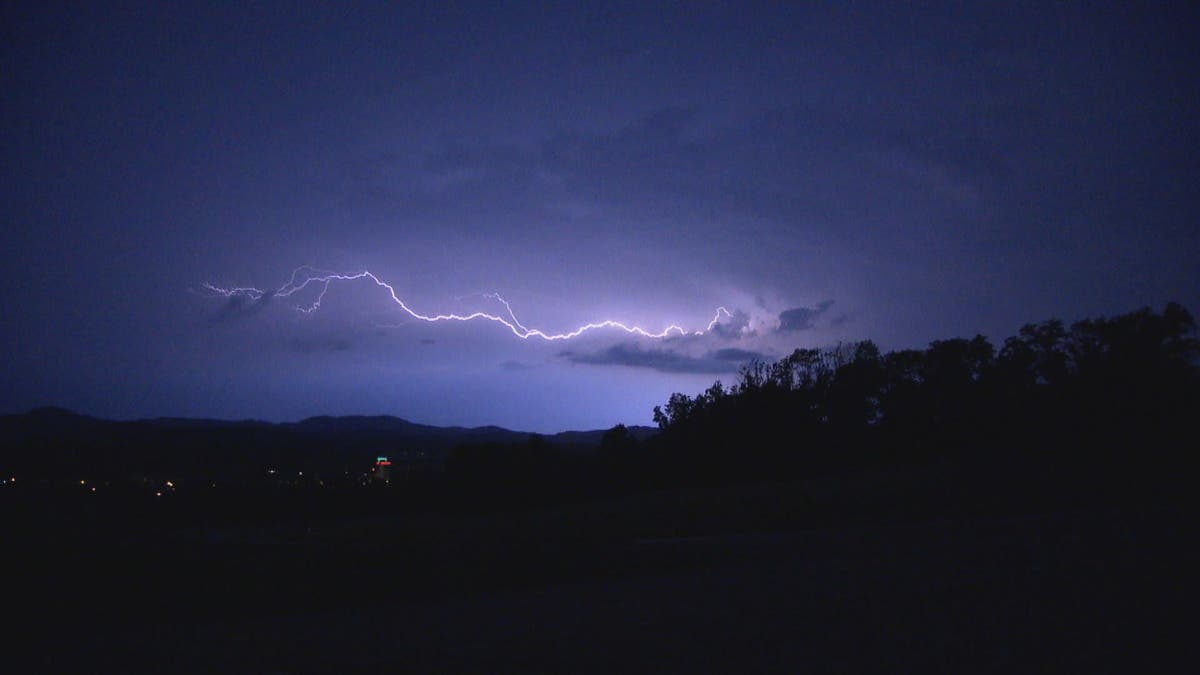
802 318
666 360
739 338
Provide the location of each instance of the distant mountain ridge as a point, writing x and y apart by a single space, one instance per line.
54 442
61 418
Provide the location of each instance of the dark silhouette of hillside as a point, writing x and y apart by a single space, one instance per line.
53 443
1102 407
1094 412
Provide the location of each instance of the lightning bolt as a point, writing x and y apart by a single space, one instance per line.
305 277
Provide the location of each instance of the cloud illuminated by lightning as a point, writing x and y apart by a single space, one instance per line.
303 277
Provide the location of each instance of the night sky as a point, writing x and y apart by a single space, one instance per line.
861 171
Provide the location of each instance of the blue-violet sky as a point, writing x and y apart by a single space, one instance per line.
893 171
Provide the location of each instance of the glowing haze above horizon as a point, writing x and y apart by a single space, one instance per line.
821 174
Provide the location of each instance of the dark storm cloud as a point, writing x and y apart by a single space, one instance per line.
649 163
666 360
802 318
656 141
787 166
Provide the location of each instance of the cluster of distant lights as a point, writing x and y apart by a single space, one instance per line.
303 277
169 487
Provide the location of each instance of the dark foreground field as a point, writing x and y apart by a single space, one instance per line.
747 578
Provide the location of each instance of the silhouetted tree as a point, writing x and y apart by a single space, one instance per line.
1065 398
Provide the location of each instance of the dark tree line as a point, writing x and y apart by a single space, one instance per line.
1103 398
1102 407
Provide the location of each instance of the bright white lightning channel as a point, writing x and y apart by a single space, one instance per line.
301 279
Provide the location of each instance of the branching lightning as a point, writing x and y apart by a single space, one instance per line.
304 277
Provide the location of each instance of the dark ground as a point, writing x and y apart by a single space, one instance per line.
735 579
